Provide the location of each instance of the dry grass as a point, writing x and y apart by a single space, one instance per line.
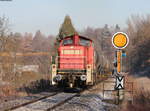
27 80
141 102
141 97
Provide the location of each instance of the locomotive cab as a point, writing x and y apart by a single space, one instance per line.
75 62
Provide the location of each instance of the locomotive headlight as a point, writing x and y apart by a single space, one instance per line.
83 77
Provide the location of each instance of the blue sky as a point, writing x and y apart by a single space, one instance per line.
48 15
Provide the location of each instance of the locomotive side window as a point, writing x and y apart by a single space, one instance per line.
67 41
84 42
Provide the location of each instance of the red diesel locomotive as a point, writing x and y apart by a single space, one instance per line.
74 64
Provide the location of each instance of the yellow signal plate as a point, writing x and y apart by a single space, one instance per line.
120 40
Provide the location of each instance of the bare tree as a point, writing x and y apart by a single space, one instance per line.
138 49
4 30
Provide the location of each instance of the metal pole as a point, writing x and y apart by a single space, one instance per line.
103 90
118 96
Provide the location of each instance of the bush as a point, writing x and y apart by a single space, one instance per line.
141 102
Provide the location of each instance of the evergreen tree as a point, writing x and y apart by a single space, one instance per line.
37 41
66 28
106 31
117 28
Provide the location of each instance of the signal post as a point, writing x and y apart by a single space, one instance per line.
119 40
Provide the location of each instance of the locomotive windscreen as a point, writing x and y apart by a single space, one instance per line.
68 41
84 42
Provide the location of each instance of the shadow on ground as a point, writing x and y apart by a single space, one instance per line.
38 86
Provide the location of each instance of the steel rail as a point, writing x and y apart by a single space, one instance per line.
35 100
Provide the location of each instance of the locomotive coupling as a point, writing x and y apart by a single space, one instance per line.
83 77
57 78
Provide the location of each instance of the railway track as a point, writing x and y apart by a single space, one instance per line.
48 102
30 102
